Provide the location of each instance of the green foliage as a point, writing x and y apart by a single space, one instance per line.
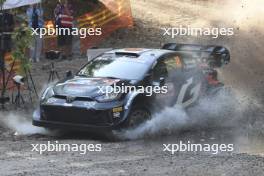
2 2
23 39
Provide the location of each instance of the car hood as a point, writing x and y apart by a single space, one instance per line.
83 87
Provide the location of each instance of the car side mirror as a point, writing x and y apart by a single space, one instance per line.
69 74
159 83
162 81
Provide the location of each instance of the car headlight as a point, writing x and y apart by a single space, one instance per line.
48 93
108 97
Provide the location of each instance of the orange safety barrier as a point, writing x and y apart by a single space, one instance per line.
113 15
11 64
116 14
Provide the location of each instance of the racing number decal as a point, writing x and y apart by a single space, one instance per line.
194 93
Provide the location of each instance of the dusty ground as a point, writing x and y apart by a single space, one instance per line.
145 156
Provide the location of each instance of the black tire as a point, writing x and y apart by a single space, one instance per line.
138 115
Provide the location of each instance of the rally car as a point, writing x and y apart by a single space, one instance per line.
182 72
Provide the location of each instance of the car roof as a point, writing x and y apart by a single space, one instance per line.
148 56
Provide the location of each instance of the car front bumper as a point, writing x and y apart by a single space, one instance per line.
79 118
71 126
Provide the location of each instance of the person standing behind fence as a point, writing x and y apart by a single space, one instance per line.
64 20
35 21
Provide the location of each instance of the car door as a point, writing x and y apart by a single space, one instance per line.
169 68
182 78
190 88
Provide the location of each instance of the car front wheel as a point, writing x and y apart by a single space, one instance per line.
137 116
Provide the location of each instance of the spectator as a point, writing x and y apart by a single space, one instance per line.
64 19
35 20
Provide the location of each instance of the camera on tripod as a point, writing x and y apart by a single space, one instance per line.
53 55
18 81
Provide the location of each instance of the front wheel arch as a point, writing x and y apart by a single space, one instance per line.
137 115
139 102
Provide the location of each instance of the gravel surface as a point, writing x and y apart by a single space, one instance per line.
145 155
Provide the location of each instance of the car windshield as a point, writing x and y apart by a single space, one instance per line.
115 66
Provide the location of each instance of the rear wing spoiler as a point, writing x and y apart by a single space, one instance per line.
213 55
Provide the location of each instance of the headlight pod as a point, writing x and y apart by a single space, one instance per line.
48 93
108 97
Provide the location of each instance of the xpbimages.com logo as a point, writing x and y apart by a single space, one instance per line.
125 89
82 32
58 147
197 31
191 147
